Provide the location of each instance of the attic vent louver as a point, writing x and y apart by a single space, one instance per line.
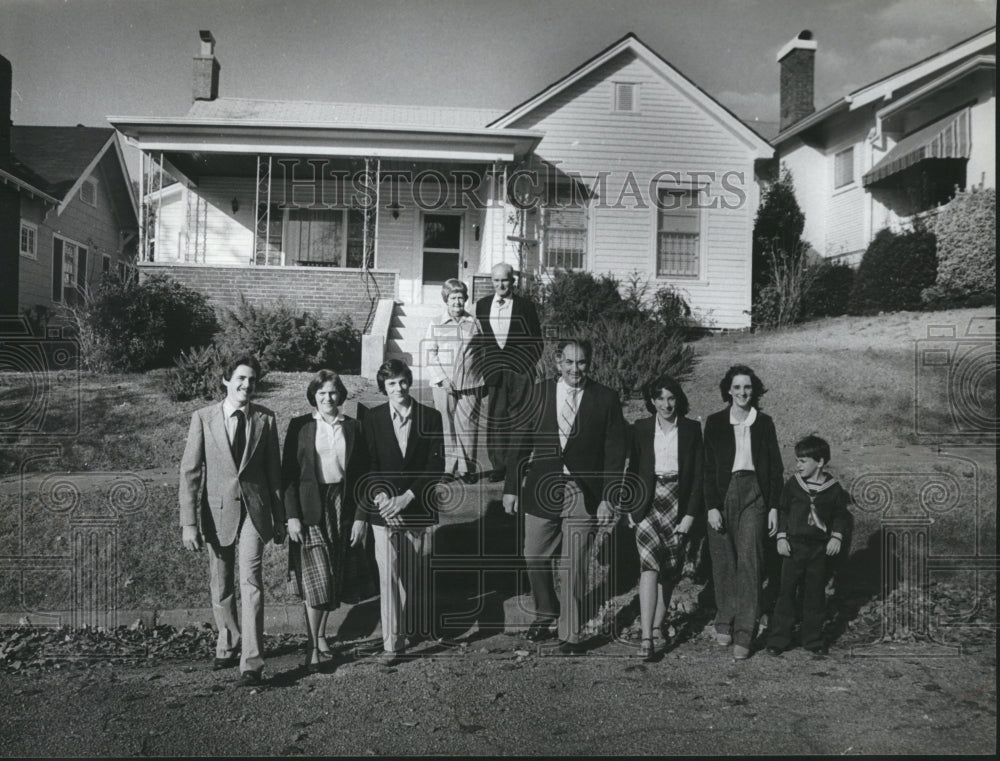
626 96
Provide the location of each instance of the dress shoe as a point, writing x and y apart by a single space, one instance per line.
740 653
647 651
571 648
226 663
390 657
775 652
723 639
819 650
498 475
250 678
537 632
469 478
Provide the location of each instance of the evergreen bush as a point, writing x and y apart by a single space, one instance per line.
829 290
966 231
895 269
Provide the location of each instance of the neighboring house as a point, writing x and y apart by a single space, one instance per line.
892 149
622 166
68 214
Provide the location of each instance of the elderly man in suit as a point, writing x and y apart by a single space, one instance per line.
405 443
510 347
576 447
230 492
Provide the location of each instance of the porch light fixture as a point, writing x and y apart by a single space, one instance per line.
395 208
236 204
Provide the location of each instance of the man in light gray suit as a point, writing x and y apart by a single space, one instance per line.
230 491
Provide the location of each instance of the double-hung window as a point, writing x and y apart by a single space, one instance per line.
29 240
678 234
563 227
69 270
843 167
325 237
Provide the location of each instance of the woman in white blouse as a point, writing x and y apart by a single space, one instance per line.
456 382
324 459
665 477
743 483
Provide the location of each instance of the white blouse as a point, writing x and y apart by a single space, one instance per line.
741 431
664 447
331 449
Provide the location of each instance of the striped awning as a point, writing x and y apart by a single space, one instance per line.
947 138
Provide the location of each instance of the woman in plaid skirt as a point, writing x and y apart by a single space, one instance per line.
324 458
665 477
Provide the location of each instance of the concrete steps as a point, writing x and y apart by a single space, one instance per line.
407 331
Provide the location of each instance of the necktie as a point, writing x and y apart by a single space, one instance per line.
814 519
239 444
567 415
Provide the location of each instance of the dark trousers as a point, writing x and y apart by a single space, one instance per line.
738 559
506 415
807 564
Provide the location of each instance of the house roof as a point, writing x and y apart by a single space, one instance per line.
630 42
885 87
52 159
298 113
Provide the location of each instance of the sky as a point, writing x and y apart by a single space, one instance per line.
79 61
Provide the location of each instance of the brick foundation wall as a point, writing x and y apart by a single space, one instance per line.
319 290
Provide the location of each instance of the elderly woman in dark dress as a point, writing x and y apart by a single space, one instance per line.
324 457
665 467
743 483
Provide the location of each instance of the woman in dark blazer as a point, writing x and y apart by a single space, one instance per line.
743 482
665 470
324 458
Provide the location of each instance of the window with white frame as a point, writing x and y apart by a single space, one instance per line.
325 237
88 192
626 97
843 167
69 270
678 233
29 240
563 226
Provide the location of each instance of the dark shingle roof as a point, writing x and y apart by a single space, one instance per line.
53 158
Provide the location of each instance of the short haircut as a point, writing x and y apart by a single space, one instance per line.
453 285
727 382
248 360
508 270
580 343
393 368
320 379
814 448
654 388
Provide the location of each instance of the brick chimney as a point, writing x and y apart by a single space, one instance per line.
6 88
206 69
797 59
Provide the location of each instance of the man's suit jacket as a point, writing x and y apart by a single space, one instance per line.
523 347
212 486
419 471
594 453
720 452
642 468
300 470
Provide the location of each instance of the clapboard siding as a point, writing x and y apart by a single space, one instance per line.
96 228
669 133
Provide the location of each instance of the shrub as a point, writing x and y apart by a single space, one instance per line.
829 290
572 298
671 308
629 352
132 326
966 231
284 340
777 229
197 374
781 300
38 317
893 272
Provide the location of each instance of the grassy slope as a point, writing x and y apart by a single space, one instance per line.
850 379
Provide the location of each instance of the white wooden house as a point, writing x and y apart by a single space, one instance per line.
622 166
896 147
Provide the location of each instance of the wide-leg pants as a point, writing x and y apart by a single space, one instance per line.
403 558
221 572
738 558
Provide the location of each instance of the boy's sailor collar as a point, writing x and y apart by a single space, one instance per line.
815 487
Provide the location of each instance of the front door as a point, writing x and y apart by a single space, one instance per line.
442 253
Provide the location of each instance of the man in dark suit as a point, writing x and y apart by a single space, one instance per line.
406 455
508 352
230 479
576 446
